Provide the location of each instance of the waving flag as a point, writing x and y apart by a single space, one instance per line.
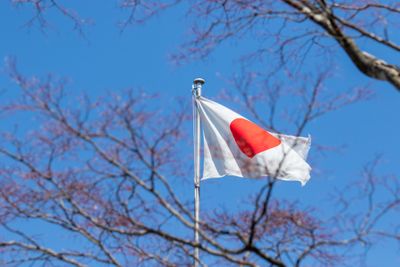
236 146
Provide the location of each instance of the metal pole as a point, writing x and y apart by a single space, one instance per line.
196 90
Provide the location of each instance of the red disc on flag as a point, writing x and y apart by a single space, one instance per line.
251 138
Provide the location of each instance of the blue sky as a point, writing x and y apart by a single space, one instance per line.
108 60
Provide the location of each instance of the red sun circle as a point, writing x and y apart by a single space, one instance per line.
251 138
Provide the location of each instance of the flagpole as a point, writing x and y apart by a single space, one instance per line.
196 90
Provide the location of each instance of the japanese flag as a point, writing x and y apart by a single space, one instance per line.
236 146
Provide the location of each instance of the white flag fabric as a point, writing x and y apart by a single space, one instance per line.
236 146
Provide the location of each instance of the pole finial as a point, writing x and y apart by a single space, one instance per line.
199 81
197 85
